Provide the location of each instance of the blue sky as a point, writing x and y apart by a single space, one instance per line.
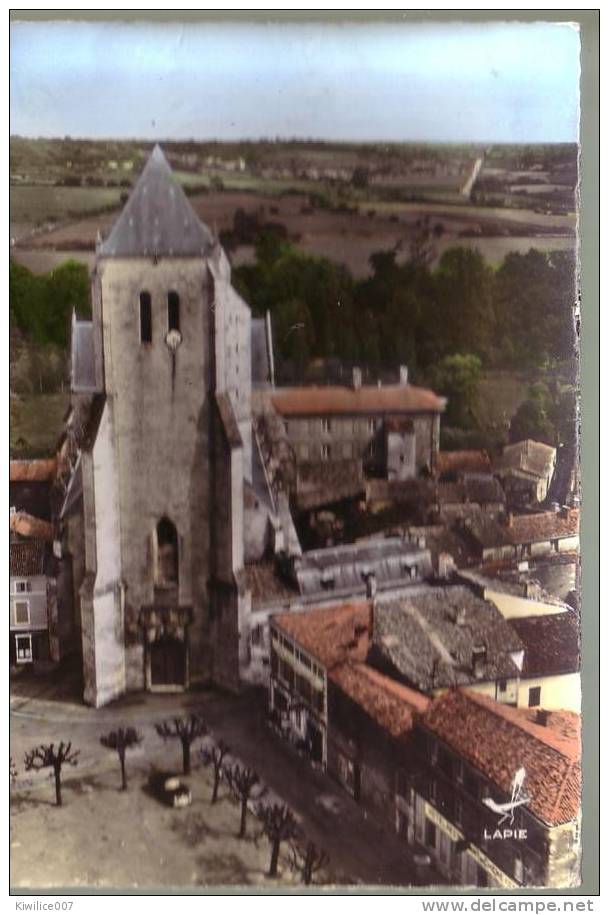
513 82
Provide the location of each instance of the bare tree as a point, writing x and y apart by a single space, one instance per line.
278 825
46 756
121 741
187 730
307 859
245 785
215 757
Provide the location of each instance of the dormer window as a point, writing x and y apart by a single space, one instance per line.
145 318
173 311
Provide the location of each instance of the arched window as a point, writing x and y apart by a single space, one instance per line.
173 311
145 318
166 573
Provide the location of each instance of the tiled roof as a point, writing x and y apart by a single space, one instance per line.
520 529
428 637
551 643
29 526
544 526
332 635
462 461
157 219
497 740
475 488
392 705
27 558
528 456
33 471
321 401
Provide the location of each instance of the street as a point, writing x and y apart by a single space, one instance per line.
362 850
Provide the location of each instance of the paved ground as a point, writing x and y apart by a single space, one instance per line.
44 708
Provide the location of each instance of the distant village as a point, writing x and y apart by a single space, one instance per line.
412 613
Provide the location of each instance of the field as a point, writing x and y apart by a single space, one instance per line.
35 423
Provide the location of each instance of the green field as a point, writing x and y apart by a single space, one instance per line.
36 423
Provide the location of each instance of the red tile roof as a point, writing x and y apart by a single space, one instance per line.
27 558
497 740
551 643
39 470
322 401
462 461
29 526
543 526
331 635
392 705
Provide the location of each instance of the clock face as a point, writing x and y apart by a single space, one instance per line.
173 339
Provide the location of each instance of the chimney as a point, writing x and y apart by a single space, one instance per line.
403 374
446 565
542 717
371 585
479 661
357 378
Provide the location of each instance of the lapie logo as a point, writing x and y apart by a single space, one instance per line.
506 810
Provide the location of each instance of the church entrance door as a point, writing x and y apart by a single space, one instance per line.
168 662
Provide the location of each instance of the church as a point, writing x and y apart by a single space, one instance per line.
159 452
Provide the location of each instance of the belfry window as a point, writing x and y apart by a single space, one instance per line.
173 311
145 318
166 572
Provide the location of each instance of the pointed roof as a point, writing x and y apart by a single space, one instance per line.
157 218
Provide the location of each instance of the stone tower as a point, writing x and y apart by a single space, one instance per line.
165 450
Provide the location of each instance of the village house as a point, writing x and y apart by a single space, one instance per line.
33 622
451 464
492 793
305 648
393 430
521 537
550 675
436 637
526 469
326 577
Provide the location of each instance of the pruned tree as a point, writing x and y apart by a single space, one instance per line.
186 730
46 756
121 741
214 757
245 785
307 858
278 825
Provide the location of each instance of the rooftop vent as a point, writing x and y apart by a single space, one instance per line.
479 661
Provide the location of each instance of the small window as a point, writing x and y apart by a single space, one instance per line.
534 696
145 317
371 425
502 686
23 648
166 573
173 311
22 587
22 612
325 425
325 452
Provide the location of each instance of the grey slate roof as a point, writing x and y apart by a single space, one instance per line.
83 357
343 569
261 365
157 218
427 638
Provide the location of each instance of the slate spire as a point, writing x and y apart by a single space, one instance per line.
157 219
